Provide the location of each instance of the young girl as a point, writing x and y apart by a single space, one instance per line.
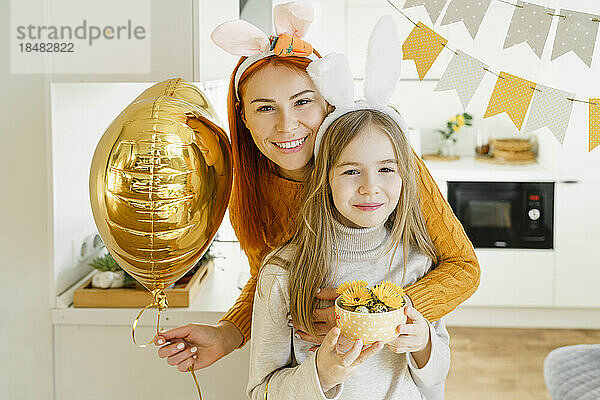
360 221
361 195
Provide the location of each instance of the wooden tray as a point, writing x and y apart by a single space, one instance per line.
437 157
179 296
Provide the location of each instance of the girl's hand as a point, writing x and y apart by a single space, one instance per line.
413 337
197 345
335 366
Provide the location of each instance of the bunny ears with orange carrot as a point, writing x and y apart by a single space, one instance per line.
240 38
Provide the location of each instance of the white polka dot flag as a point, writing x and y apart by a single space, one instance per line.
469 12
531 24
423 46
576 32
594 123
464 74
433 7
550 107
511 95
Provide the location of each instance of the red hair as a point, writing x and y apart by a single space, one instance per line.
250 167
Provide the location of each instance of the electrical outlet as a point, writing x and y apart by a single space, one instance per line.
97 242
86 245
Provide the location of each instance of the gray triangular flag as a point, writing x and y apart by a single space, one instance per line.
464 74
433 7
576 32
530 23
470 12
550 108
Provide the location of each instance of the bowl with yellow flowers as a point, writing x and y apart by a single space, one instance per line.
370 314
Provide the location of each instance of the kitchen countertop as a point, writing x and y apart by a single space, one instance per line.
469 169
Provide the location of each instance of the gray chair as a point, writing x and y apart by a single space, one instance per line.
573 372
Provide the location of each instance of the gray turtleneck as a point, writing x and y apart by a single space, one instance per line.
289 368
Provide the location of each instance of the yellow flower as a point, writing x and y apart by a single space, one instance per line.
347 285
461 120
356 296
453 119
389 294
455 128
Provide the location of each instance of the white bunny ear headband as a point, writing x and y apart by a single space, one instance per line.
241 38
331 74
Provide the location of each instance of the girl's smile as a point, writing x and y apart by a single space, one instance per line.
368 206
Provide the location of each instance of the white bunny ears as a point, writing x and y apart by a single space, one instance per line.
240 38
331 74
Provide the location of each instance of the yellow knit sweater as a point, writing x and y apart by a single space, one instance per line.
453 281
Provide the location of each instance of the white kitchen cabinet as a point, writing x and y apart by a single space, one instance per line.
95 358
514 278
577 239
100 362
180 43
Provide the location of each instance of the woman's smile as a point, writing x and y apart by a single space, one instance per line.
291 146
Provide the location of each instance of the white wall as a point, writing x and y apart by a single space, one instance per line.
25 231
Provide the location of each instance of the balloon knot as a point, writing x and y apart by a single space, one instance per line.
160 299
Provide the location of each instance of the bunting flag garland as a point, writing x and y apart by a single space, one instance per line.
594 123
470 12
530 23
434 7
550 108
577 32
511 95
464 74
423 45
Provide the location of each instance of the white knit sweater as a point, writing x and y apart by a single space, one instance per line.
284 362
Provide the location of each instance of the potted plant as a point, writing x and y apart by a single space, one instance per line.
111 275
448 135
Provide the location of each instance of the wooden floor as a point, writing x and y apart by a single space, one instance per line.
500 363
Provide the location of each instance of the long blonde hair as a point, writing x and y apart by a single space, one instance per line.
313 243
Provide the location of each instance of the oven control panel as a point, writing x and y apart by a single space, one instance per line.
534 208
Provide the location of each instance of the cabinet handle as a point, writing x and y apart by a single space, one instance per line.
569 181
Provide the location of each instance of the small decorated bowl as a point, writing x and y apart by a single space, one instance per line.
369 327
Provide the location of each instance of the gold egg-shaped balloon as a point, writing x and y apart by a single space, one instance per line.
160 182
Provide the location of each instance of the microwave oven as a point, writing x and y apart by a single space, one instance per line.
505 214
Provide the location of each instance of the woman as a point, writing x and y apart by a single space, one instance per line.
274 113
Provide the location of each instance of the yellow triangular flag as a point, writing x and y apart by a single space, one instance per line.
594 123
511 95
423 46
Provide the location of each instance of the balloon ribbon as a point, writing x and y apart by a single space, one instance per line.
160 302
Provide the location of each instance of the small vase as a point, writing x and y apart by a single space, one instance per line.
447 148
